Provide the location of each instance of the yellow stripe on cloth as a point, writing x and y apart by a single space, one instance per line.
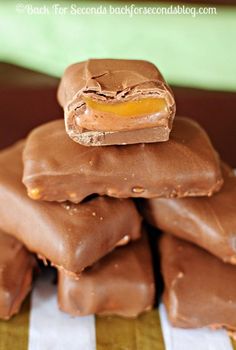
14 333
142 333
233 342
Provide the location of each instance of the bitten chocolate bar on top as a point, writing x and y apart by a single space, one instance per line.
16 271
71 236
209 222
114 102
58 169
121 283
200 290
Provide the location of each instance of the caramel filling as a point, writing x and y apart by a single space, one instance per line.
129 108
121 116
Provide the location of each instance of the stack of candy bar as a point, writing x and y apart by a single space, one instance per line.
67 194
198 255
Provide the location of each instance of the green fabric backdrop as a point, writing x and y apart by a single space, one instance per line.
197 52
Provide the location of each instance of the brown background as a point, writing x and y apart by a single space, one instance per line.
28 99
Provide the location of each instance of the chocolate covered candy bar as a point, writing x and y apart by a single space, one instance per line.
58 169
121 283
114 102
200 290
16 270
207 222
70 236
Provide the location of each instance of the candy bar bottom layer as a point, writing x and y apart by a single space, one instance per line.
106 138
200 290
121 283
16 270
209 222
71 236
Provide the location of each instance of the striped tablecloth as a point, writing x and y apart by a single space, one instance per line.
41 326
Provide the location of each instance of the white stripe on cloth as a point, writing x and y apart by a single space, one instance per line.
51 329
192 339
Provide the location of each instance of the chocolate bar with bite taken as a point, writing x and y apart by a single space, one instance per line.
116 102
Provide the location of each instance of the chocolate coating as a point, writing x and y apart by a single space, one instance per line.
60 169
121 283
70 236
111 81
207 222
16 270
200 290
